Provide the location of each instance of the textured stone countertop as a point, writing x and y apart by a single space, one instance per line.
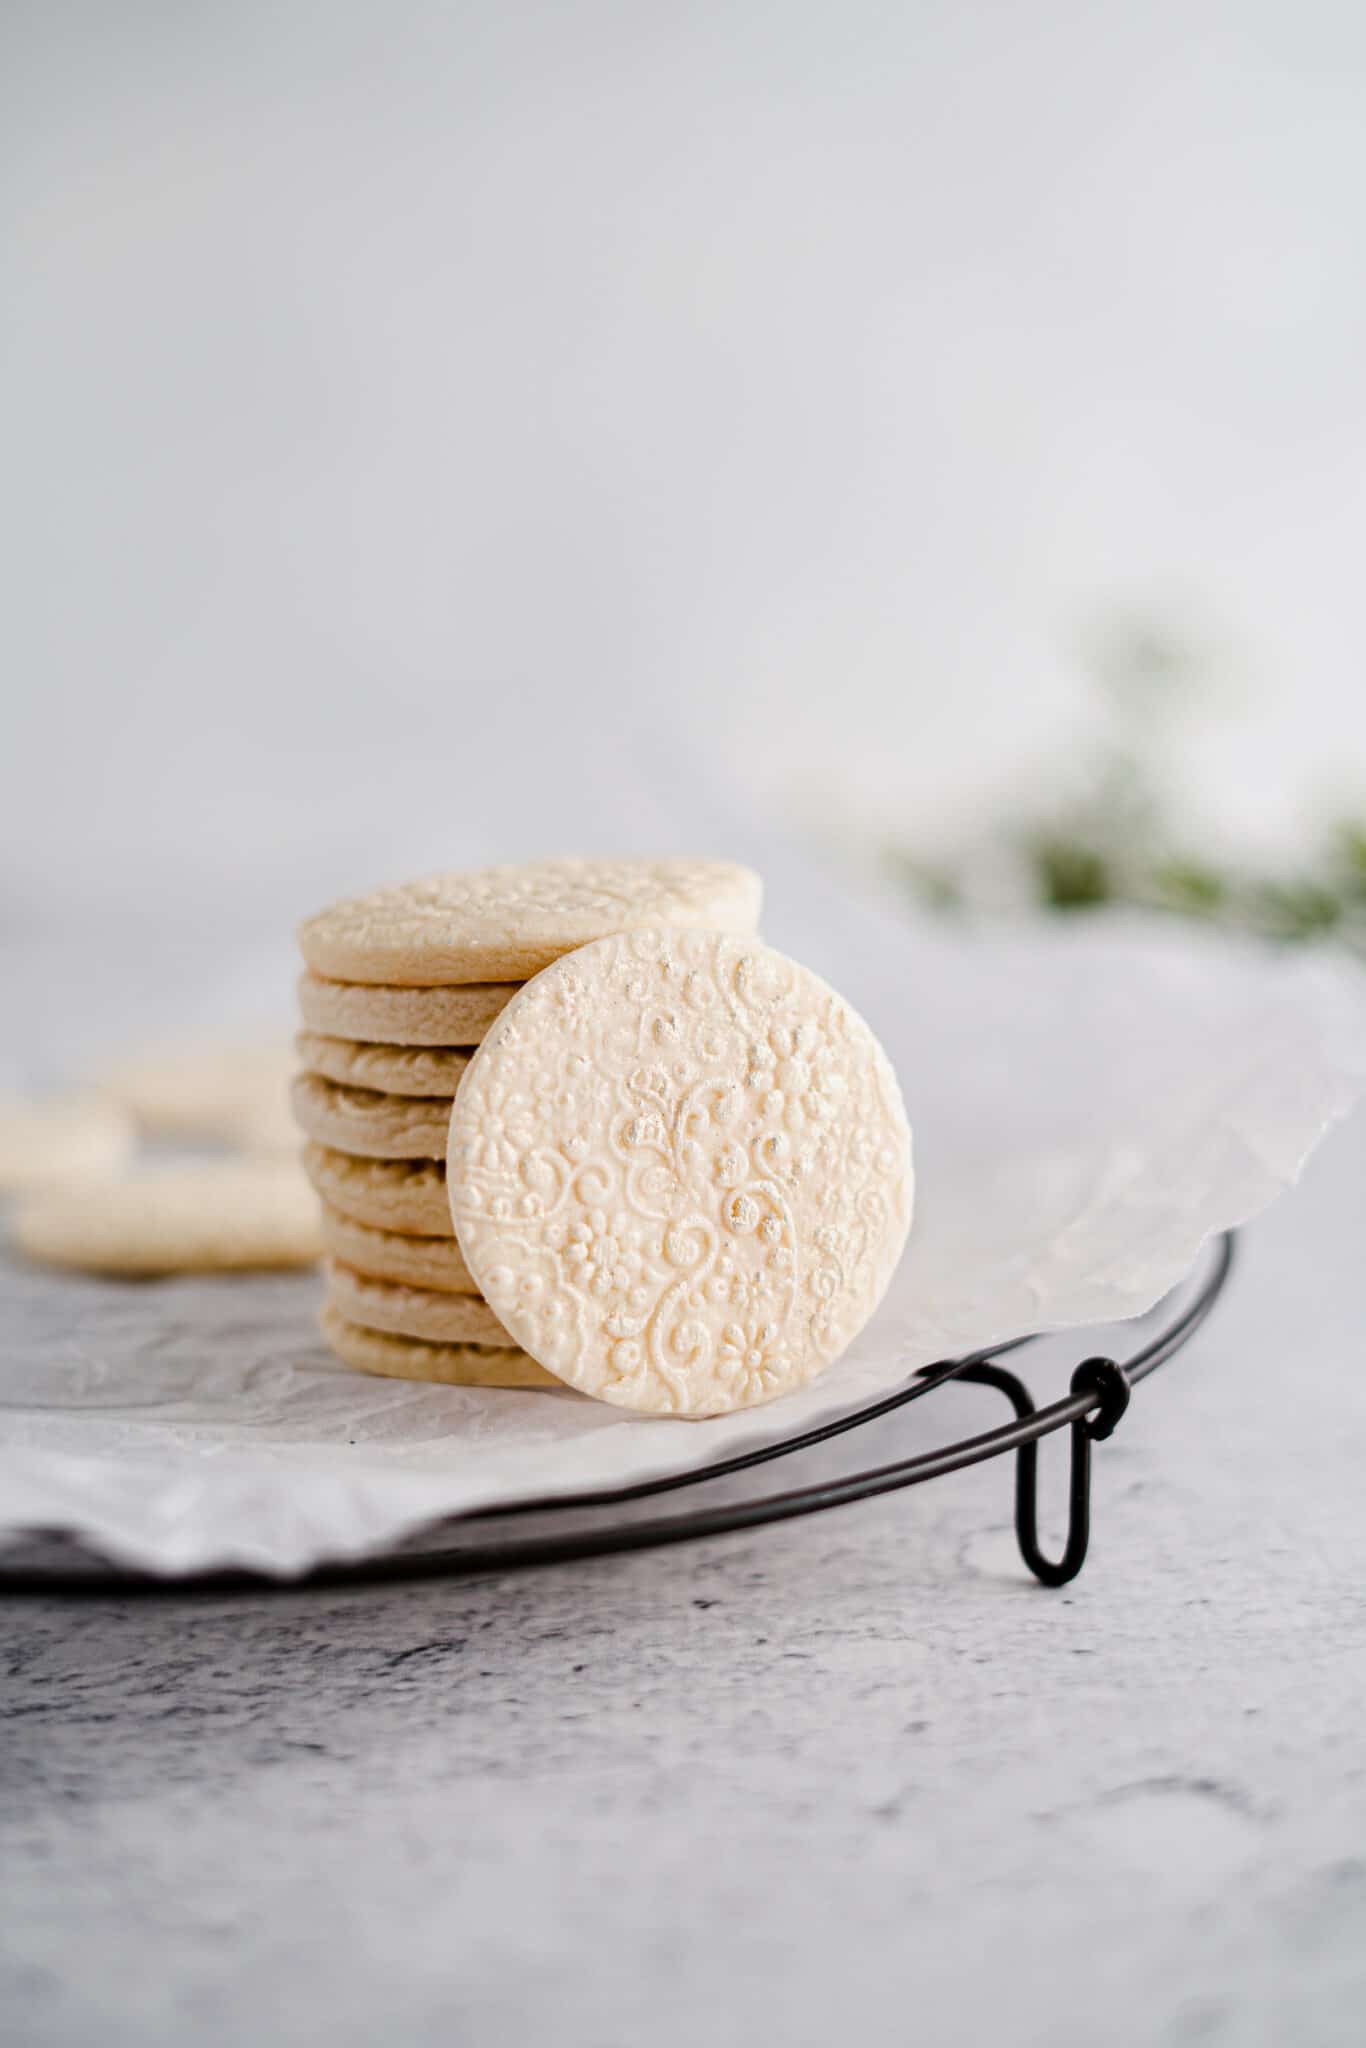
853 1778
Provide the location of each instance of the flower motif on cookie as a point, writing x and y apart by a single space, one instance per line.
503 1131
752 1360
794 1077
754 1289
602 1255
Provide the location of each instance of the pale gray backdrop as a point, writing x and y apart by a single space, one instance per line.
434 431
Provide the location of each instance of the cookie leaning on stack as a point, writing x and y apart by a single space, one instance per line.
399 986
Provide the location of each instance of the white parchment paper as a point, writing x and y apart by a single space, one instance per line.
1090 1104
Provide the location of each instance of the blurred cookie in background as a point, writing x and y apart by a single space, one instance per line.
60 1138
221 1216
235 1095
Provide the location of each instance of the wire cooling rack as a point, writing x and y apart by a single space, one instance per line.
497 1539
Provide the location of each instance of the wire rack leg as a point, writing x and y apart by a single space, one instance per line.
1094 1375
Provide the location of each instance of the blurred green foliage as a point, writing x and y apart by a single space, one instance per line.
1112 842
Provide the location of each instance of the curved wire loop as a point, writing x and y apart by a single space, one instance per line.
1100 1376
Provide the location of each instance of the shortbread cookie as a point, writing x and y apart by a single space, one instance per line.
62 1138
393 1069
402 1016
186 1219
412 1311
407 1195
394 1255
232 1094
503 923
375 1126
446 1365
433 1262
708 1183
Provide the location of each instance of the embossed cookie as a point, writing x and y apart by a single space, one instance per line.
446 1365
60 1138
236 1213
402 1016
406 1195
412 1311
392 1069
504 923
680 1171
394 1255
374 1125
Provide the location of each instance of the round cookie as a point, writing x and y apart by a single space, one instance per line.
393 1069
412 1311
374 1125
407 1195
232 1094
707 1184
504 923
191 1219
446 1365
63 1138
394 1255
402 1016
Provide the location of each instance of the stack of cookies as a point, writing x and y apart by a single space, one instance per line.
400 988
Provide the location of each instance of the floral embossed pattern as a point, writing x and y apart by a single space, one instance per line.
680 1171
508 922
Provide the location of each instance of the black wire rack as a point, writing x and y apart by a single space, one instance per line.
491 1539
